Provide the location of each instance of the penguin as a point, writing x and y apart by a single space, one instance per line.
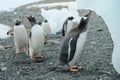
67 25
46 28
20 37
10 32
36 39
73 43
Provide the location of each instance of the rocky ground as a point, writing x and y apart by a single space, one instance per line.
94 61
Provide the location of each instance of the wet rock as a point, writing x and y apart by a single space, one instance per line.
2 47
50 63
8 47
3 68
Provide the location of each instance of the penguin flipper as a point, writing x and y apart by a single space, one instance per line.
30 35
63 31
72 47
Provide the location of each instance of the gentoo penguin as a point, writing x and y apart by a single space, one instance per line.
36 39
46 28
72 44
20 37
67 25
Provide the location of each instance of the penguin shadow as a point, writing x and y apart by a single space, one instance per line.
57 69
22 58
82 71
62 69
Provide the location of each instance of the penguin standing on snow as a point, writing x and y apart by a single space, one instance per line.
20 37
46 28
67 25
72 44
36 39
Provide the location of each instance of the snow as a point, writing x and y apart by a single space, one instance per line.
56 17
51 5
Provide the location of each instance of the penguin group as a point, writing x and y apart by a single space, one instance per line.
33 44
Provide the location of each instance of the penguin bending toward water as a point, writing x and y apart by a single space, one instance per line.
67 25
46 28
36 39
72 44
20 37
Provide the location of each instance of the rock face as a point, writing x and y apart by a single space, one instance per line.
94 61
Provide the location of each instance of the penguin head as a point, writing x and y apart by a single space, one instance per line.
18 22
40 23
70 18
31 18
45 21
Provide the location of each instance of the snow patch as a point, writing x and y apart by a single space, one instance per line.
56 17
51 5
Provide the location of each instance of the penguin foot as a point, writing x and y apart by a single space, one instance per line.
32 58
36 56
17 51
26 50
74 69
